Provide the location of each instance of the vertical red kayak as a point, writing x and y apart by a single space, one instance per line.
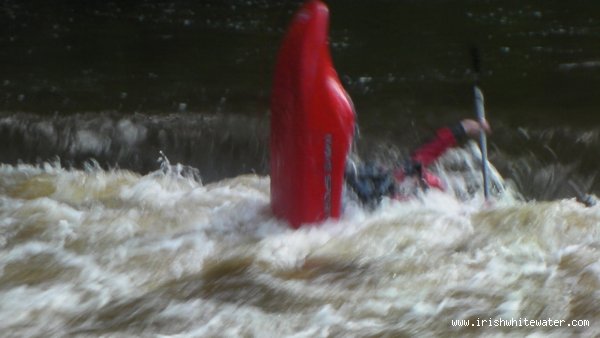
312 123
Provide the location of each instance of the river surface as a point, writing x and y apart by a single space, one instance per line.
134 187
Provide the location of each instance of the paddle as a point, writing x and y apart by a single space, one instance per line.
585 199
480 112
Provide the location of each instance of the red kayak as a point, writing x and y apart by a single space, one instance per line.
312 123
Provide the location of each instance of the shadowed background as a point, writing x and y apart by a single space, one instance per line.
119 82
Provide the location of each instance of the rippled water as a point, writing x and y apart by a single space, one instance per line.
134 188
93 252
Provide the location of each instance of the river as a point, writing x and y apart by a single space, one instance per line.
134 188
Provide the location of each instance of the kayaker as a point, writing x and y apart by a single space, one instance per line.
371 182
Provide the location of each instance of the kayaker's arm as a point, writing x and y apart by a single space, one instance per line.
446 138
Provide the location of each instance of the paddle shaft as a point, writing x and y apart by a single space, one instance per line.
480 111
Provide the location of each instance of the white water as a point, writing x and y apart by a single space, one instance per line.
114 253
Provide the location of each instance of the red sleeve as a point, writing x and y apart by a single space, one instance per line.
432 150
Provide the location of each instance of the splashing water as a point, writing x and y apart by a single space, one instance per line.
93 249
96 252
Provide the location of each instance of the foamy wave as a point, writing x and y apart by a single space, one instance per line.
114 252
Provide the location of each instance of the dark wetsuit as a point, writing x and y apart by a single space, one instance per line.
371 182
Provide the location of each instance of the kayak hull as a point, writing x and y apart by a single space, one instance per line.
312 123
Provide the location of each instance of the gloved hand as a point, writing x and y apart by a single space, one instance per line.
473 128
